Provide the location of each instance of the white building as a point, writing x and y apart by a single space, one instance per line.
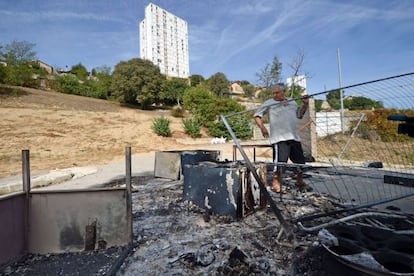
163 39
299 80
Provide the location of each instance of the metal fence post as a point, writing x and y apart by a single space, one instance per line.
128 190
26 189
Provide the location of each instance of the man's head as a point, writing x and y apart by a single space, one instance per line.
279 92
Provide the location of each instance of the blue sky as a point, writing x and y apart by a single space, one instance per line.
235 37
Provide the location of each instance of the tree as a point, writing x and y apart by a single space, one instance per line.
297 64
195 96
265 94
297 75
248 89
79 71
3 73
244 82
362 103
19 57
196 80
21 75
17 53
104 69
270 74
102 84
334 99
318 105
137 81
173 91
295 92
218 84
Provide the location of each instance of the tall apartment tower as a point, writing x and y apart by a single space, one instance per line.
163 39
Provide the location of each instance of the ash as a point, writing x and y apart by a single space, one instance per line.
97 262
174 237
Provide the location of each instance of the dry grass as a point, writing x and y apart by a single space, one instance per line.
63 131
361 149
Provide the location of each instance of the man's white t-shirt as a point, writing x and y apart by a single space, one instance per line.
282 119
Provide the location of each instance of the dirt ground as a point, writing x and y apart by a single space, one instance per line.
63 131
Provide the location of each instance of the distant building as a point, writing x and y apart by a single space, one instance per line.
326 106
163 39
236 89
48 68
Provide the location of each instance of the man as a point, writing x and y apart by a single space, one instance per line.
283 117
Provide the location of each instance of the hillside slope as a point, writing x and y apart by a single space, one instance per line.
62 131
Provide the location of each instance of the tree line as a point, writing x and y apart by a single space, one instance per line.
138 82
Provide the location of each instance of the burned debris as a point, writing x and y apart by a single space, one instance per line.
221 224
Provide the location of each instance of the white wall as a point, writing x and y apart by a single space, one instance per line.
328 123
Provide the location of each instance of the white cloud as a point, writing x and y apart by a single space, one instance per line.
252 8
42 16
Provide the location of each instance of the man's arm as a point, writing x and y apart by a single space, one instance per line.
260 124
302 110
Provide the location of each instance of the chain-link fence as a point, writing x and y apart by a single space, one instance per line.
362 155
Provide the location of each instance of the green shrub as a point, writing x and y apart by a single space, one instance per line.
161 126
192 127
68 84
20 76
195 97
240 125
376 122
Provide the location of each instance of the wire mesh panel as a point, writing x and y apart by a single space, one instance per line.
371 158
362 155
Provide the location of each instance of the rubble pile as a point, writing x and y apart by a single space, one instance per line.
174 237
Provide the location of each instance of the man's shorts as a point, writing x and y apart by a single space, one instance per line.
291 149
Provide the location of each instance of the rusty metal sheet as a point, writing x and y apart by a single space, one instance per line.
58 219
169 164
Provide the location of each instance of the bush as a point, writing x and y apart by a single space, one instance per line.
3 74
161 126
206 109
19 75
377 122
68 84
240 125
192 127
195 97
96 88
